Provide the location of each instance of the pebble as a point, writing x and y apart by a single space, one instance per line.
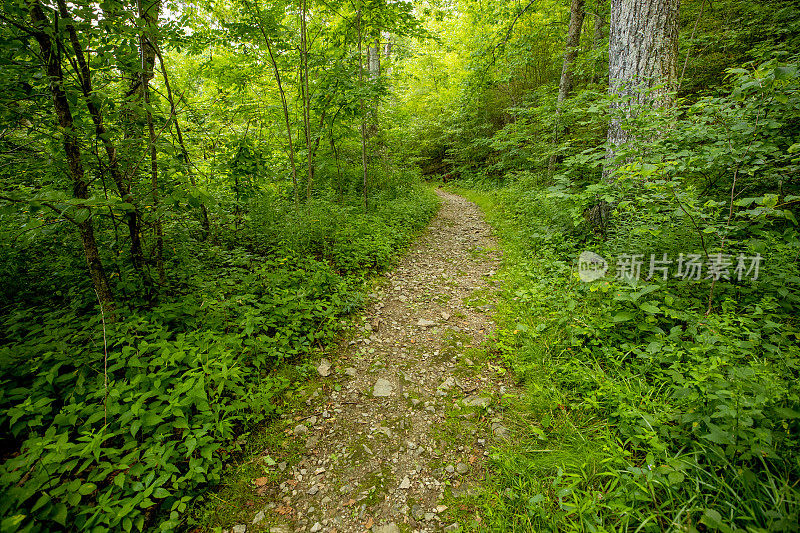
324 368
406 483
382 388
316 527
300 429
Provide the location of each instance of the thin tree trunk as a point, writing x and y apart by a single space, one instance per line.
599 36
52 64
159 228
206 223
134 147
576 15
292 157
132 216
642 68
363 115
306 97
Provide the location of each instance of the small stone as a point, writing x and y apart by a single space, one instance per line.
441 508
449 469
452 528
313 490
300 429
239 528
500 430
282 466
350 371
324 368
391 527
477 401
280 528
445 315
382 388
425 323
415 401
448 383
429 517
461 468
316 527
259 517
406 483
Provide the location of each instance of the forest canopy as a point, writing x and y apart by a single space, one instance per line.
194 198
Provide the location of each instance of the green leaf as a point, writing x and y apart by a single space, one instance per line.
712 519
60 514
623 316
650 308
87 488
43 499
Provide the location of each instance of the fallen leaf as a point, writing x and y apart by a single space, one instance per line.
261 481
368 525
472 459
349 502
283 510
249 503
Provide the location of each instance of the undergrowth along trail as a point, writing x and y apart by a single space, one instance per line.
394 435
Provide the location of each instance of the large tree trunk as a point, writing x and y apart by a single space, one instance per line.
642 53
576 15
52 65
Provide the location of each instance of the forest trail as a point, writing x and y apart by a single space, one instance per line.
415 411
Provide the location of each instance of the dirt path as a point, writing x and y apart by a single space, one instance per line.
403 416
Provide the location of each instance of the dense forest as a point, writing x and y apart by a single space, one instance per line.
195 199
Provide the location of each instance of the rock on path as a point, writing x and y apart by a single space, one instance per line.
415 396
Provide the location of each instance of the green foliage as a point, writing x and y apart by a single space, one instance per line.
187 377
655 404
640 410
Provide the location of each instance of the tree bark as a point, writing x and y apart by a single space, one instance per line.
576 16
642 53
52 65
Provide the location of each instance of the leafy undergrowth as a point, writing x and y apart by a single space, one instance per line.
641 412
122 426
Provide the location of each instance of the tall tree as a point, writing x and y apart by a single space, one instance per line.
51 60
576 16
642 54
